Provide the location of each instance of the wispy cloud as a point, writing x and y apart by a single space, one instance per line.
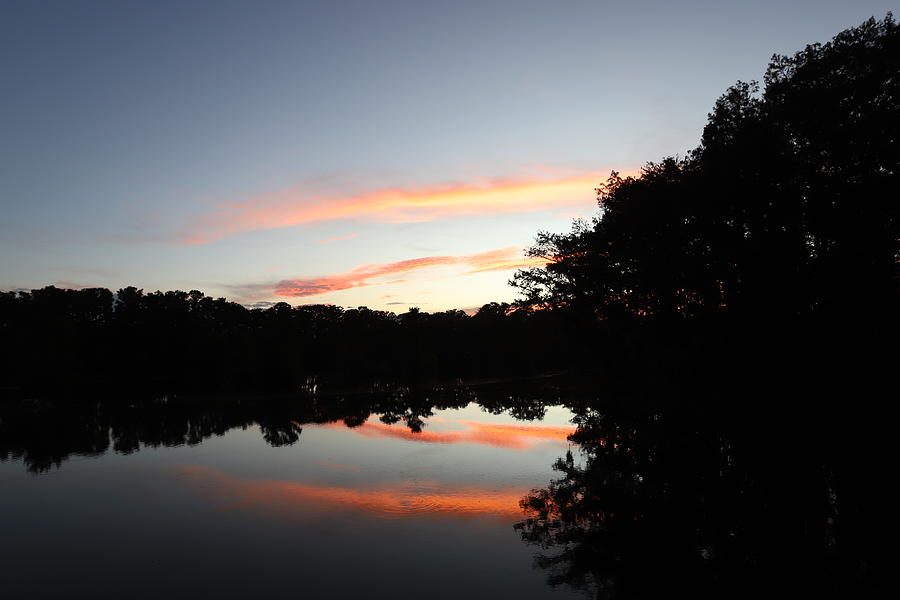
302 205
502 259
70 285
338 238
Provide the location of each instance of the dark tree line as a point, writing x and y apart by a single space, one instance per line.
59 341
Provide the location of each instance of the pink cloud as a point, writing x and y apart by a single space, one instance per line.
501 259
301 205
338 238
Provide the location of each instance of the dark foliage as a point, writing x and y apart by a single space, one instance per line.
57 341
781 502
787 208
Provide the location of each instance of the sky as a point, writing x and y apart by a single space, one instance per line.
385 154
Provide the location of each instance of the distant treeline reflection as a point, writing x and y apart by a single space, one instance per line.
44 434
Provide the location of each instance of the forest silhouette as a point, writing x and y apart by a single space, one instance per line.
736 308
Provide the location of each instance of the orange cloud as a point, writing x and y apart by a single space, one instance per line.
394 500
513 436
299 205
501 259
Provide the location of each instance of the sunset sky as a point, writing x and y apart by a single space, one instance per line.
387 154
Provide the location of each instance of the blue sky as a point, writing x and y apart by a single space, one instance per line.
385 153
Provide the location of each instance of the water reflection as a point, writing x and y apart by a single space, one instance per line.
277 497
43 435
653 501
402 499
748 499
501 435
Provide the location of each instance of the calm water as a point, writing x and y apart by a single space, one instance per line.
400 493
379 509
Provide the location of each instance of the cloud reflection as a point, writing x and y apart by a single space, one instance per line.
501 435
396 500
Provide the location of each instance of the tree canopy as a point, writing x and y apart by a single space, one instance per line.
788 206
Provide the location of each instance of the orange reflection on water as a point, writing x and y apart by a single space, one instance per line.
502 435
393 500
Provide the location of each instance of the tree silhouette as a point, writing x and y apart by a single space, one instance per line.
743 303
787 207
176 341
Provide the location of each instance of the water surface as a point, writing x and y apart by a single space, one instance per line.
475 491
408 506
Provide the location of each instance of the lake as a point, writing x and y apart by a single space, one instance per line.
541 488
193 505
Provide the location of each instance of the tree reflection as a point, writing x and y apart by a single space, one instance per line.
654 505
44 434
